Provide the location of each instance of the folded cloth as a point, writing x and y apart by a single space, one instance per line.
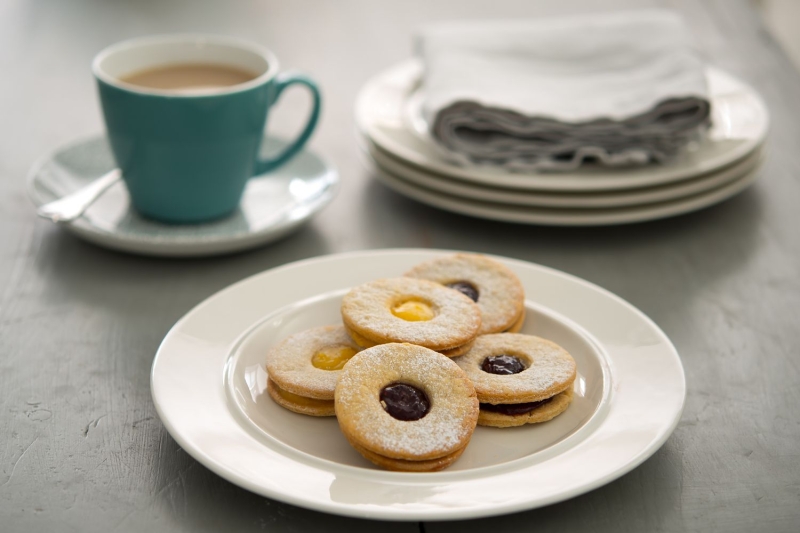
620 89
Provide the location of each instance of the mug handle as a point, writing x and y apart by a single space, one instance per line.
282 81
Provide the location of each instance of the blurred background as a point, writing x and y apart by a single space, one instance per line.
782 18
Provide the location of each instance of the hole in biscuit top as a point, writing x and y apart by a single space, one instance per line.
404 402
333 357
466 288
413 311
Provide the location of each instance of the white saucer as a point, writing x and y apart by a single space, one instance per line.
272 206
565 217
208 384
386 110
534 198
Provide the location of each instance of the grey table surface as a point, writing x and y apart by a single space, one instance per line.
81 447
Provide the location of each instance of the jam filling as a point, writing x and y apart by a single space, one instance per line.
503 365
466 288
404 402
513 409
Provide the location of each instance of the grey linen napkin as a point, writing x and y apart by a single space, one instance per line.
620 89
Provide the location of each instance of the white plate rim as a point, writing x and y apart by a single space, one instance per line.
580 180
572 200
565 217
197 248
624 361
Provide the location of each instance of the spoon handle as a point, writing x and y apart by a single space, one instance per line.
73 205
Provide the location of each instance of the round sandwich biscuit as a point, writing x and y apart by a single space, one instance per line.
519 379
400 465
405 407
510 415
300 404
493 286
304 368
410 310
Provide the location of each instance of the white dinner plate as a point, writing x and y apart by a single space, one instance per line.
598 199
565 217
385 114
272 205
208 384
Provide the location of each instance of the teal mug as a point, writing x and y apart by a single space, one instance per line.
186 155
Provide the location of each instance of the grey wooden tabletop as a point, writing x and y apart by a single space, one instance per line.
81 447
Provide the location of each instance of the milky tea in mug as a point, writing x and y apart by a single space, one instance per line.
189 77
185 118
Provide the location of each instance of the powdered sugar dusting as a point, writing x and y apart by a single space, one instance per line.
501 295
445 428
289 363
551 369
366 309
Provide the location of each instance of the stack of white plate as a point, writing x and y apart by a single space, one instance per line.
396 140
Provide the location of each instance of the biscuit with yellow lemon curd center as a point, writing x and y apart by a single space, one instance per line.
416 311
304 369
300 404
